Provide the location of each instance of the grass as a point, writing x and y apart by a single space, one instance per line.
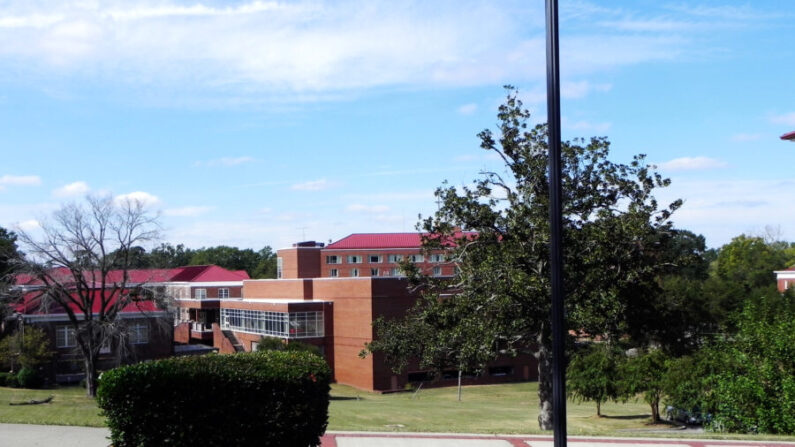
507 408
69 407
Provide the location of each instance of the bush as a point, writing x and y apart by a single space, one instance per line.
265 398
29 378
8 379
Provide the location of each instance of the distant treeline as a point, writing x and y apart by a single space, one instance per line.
258 264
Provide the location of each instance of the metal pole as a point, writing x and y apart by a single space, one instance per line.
556 227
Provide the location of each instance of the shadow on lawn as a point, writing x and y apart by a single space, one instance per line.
628 417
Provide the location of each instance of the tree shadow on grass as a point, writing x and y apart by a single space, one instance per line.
627 417
344 398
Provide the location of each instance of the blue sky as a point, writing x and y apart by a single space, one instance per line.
256 123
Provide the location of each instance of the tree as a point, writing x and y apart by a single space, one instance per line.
593 375
25 348
8 256
614 233
645 374
258 264
169 256
750 262
82 263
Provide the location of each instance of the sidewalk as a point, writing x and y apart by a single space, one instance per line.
24 435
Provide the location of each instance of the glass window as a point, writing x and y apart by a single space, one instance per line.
274 324
223 293
65 337
333 273
416 258
395 258
279 265
200 294
354 259
395 271
139 334
437 258
373 272
375 259
354 273
333 259
437 271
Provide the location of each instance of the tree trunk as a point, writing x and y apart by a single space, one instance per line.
91 375
598 408
655 411
544 357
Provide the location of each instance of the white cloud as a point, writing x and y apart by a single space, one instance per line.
370 209
585 126
308 50
467 109
187 211
692 164
580 89
746 137
723 209
29 225
226 161
72 189
140 196
20 180
313 185
787 119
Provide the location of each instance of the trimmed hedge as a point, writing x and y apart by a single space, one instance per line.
266 398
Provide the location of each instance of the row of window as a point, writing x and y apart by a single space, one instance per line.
138 334
201 294
394 271
275 324
377 259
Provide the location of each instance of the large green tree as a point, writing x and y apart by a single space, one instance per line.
614 236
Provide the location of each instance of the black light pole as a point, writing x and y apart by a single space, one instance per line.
556 228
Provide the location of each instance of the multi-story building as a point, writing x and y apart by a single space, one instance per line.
329 296
150 330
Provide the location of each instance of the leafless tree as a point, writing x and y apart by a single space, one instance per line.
81 264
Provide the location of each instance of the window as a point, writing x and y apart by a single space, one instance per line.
279 265
254 346
333 273
499 371
65 337
395 258
416 258
354 259
395 272
223 293
333 259
200 294
437 271
373 272
274 324
354 273
375 259
139 334
105 348
437 258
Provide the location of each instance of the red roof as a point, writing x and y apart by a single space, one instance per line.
196 273
383 240
789 136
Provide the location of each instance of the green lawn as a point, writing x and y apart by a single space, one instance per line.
69 407
509 408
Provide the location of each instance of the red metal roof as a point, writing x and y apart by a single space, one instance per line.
383 240
789 136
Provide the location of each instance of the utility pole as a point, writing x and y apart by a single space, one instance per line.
556 227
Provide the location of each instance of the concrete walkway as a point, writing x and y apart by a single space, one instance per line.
23 435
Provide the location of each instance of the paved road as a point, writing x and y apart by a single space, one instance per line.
22 435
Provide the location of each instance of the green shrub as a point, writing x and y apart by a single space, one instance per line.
8 379
265 398
29 378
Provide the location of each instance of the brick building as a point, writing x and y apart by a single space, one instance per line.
150 331
329 296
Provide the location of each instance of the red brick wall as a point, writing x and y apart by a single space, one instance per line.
182 333
300 262
295 289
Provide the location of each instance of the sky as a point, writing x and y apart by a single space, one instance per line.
254 123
